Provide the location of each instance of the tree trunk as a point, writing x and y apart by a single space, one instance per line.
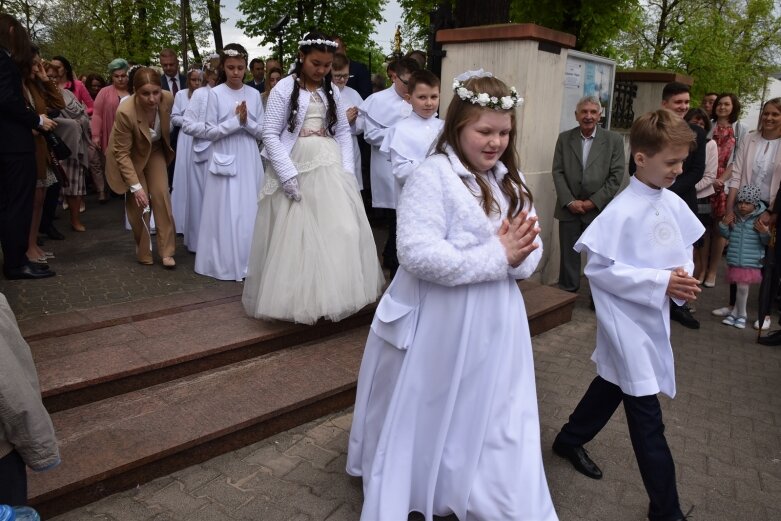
215 18
191 35
469 13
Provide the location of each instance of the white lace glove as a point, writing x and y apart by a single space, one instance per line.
290 187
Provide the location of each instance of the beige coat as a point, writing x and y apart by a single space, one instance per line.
743 167
25 425
130 143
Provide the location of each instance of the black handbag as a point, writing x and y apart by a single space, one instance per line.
56 146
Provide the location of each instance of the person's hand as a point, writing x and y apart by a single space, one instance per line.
241 110
517 237
728 219
352 113
576 207
142 201
761 227
718 185
765 218
96 142
290 187
682 286
47 124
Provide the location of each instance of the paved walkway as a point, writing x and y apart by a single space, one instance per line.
724 426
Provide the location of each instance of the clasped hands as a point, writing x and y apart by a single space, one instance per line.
241 111
579 207
682 286
517 235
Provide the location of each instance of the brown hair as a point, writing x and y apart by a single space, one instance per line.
459 114
776 102
145 75
15 40
422 77
656 130
340 61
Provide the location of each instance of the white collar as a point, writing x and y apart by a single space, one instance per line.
499 169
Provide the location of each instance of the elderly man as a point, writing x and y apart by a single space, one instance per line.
588 167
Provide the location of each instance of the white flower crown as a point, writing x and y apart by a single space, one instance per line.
319 41
233 53
481 98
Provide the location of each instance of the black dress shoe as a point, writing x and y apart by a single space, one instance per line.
54 234
683 315
28 271
772 339
578 456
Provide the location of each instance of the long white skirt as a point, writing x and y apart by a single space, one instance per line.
450 425
316 257
184 161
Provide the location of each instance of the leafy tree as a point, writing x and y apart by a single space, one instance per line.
353 21
726 45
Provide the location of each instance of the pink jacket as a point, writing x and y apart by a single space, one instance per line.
82 94
106 104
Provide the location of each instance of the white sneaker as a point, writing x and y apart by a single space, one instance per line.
722 312
729 320
765 324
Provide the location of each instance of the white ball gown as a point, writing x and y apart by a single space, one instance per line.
316 257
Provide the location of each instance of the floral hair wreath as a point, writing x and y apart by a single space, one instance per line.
233 53
481 98
318 41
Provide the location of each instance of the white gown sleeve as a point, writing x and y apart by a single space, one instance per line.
373 132
216 129
254 125
422 239
194 121
343 135
177 112
274 123
644 286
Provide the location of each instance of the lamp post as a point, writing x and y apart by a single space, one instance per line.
278 29
185 8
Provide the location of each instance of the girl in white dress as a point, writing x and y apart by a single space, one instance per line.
183 150
313 253
445 418
194 125
234 119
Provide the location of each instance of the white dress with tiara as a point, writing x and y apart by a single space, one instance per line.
315 257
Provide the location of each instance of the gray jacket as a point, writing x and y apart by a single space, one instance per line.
25 425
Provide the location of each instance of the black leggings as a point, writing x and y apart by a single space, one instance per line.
13 480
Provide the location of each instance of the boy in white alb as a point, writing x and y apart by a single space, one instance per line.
378 113
351 100
410 140
639 253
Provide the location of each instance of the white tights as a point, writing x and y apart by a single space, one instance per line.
741 297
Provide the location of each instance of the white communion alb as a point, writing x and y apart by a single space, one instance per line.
194 125
632 248
351 98
378 113
409 142
234 177
184 146
446 416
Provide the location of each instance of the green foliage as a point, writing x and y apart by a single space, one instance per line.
725 45
91 33
353 21
595 23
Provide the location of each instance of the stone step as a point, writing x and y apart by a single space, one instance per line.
114 444
180 383
115 356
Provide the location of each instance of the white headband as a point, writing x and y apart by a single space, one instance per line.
319 41
481 98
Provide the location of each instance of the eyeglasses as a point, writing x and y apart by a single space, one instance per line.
405 82
341 76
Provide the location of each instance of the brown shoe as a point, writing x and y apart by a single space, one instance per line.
169 263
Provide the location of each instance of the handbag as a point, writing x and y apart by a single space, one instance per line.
718 204
56 145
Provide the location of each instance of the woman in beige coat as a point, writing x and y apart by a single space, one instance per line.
137 156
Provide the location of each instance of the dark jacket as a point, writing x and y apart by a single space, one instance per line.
360 79
16 120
